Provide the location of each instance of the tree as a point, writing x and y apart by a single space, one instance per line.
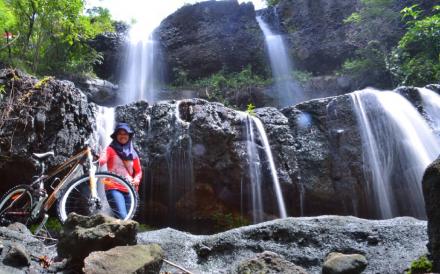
416 59
374 30
55 34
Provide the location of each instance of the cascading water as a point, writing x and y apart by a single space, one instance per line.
288 92
431 106
105 123
255 168
179 160
397 147
140 71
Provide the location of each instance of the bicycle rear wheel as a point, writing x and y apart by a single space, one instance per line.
16 205
76 197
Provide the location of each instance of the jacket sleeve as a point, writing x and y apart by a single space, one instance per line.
137 174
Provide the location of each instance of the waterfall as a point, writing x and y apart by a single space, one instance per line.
140 70
397 147
255 168
288 92
431 106
105 123
179 160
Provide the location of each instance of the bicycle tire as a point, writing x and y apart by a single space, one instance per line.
19 199
76 197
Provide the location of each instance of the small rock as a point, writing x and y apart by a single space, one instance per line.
19 227
125 259
268 262
338 263
17 256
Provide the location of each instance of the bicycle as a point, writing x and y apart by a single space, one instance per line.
84 195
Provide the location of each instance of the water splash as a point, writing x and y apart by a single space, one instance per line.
397 147
105 123
287 90
255 168
431 106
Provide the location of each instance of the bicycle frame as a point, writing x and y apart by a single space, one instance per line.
74 161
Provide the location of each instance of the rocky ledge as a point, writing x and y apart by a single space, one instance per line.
388 245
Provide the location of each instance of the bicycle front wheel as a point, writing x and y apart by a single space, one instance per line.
16 205
76 197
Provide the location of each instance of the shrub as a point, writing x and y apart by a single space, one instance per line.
421 265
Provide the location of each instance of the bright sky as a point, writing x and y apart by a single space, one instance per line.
148 14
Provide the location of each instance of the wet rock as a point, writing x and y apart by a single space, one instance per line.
304 242
268 262
338 263
17 256
81 235
125 259
431 190
99 91
111 46
42 115
201 39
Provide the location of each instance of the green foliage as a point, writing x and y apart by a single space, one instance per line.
301 77
145 228
226 221
54 34
43 82
416 60
7 18
52 224
250 109
219 83
374 31
2 91
421 265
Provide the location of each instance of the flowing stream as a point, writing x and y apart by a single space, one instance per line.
253 124
287 91
398 145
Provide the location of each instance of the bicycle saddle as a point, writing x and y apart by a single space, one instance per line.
42 156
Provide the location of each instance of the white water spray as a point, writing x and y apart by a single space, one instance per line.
398 146
288 92
255 167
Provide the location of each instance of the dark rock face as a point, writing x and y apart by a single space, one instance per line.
302 241
98 91
316 32
431 190
195 160
199 40
38 116
111 46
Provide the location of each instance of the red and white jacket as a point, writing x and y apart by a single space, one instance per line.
129 169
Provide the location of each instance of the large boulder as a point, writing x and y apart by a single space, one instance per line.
201 39
111 46
431 192
39 116
81 235
389 245
125 259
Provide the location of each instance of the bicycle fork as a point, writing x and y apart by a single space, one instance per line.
95 200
